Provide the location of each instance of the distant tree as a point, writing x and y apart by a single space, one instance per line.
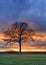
19 32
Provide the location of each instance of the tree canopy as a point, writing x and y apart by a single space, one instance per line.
19 32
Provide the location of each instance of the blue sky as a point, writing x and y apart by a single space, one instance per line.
32 11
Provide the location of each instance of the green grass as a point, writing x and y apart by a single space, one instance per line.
24 59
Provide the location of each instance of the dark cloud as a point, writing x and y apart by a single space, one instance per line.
32 11
38 43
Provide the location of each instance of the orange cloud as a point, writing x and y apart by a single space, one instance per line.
27 48
38 36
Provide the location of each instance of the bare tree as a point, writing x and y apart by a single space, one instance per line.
19 32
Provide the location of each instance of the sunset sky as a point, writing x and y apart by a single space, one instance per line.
31 11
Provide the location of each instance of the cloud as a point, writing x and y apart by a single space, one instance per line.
23 10
38 43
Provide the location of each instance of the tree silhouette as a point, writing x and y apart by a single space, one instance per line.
19 32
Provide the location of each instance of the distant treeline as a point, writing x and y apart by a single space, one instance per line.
12 52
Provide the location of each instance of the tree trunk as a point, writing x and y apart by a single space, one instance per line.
20 47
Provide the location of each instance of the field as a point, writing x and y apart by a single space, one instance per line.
24 59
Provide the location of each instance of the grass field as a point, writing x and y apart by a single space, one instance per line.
24 59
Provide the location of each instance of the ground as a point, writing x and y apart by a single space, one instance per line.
24 59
